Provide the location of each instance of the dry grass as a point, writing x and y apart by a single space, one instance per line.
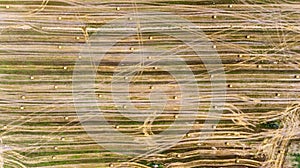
257 43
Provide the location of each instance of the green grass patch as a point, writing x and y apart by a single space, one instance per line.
297 158
270 125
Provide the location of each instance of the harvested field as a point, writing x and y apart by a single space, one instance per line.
150 83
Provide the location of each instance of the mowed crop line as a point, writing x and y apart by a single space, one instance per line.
41 41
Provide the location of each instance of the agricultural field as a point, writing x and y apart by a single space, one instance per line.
150 83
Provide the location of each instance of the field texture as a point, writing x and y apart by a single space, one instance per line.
150 83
